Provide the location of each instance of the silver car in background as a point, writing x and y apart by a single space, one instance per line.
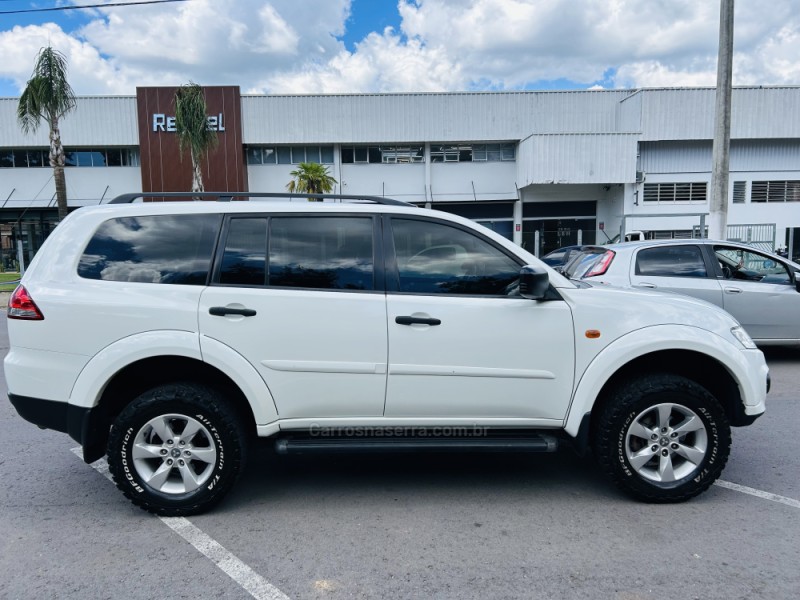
760 289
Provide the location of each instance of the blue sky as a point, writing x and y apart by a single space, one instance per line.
343 46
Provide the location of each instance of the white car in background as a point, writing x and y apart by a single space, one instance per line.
760 289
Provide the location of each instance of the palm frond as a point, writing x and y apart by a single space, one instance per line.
191 121
311 178
47 95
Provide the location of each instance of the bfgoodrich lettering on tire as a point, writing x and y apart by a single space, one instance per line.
176 449
662 438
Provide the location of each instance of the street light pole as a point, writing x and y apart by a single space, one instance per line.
718 213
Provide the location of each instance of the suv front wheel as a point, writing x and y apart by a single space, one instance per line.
662 438
176 449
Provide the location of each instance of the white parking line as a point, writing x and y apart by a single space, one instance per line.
252 582
758 493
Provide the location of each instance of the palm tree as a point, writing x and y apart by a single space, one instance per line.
191 126
48 96
311 178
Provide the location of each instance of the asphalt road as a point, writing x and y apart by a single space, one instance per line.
462 526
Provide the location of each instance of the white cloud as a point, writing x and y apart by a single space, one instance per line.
291 46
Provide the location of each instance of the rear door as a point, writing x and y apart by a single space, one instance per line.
679 268
301 298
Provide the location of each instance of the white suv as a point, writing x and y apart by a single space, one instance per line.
167 334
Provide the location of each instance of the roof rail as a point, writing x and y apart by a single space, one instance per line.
229 196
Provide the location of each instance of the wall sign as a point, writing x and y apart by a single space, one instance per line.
163 169
162 122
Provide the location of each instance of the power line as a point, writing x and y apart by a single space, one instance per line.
36 10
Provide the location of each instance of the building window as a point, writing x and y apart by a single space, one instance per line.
473 152
289 155
739 191
73 157
387 155
775 191
676 192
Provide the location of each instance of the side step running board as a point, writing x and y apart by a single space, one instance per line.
528 443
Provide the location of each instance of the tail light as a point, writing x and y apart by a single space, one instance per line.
601 266
22 306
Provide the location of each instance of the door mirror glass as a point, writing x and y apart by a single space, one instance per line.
533 282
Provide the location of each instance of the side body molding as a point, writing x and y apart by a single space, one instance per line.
653 339
244 375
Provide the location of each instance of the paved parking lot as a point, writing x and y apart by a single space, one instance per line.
462 526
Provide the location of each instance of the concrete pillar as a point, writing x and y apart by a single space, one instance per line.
517 231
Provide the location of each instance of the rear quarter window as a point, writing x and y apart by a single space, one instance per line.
175 249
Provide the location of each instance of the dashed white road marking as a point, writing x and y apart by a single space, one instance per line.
241 573
758 493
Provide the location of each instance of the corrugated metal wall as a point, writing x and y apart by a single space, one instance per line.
577 158
96 121
425 117
688 114
695 156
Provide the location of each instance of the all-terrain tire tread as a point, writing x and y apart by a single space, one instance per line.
605 434
203 398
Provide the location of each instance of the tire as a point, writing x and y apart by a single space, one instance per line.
177 449
662 438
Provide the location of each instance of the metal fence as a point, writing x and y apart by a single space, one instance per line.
758 235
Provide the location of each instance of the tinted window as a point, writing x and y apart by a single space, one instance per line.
244 261
152 249
737 263
438 259
332 253
671 261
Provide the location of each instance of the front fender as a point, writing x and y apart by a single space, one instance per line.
747 367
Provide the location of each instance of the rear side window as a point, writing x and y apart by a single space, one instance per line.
671 261
328 253
244 261
173 249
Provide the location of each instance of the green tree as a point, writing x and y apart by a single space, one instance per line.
311 178
191 126
48 96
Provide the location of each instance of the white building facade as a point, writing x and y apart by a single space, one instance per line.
546 169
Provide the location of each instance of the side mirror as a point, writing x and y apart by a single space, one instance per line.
533 282
797 280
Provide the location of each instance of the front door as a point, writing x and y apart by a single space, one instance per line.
760 293
297 297
461 342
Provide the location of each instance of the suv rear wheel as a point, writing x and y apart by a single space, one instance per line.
176 449
662 438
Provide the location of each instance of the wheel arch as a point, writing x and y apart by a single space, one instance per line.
141 375
695 354
125 368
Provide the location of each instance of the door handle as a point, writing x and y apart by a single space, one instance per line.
649 286
416 321
221 311
733 290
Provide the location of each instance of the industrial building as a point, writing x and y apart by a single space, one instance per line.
545 169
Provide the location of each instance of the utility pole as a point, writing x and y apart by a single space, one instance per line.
718 213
